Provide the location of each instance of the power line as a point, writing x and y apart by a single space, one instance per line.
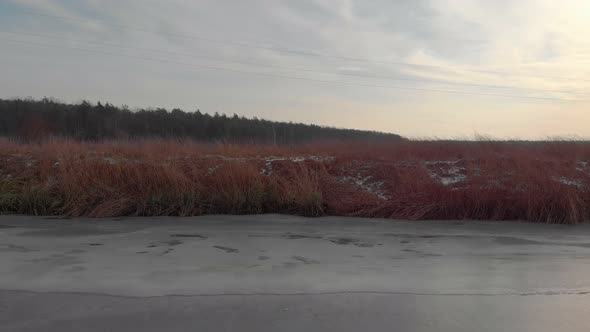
302 52
294 77
299 69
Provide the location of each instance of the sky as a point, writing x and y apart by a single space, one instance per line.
419 68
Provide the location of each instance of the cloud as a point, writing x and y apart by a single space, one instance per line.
524 44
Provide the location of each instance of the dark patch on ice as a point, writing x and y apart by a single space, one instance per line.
300 236
203 237
347 241
304 260
15 248
227 249
422 253
342 241
507 240
172 242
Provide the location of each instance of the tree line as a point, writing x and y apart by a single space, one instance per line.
30 119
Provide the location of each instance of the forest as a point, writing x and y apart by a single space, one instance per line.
35 120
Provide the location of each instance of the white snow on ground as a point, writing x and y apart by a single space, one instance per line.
267 170
366 183
583 167
113 161
442 162
269 160
455 176
406 163
359 174
570 182
321 158
213 169
449 175
110 160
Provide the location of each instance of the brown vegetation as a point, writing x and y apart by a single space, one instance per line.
539 182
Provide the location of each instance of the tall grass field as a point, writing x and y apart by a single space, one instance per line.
546 182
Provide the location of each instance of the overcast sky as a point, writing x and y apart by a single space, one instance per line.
420 68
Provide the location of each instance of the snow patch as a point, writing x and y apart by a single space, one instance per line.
582 166
267 170
212 170
570 182
442 162
321 158
359 174
367 184
446 171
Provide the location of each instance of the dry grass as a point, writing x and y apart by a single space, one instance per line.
539 182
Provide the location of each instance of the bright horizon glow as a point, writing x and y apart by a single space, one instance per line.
534 44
